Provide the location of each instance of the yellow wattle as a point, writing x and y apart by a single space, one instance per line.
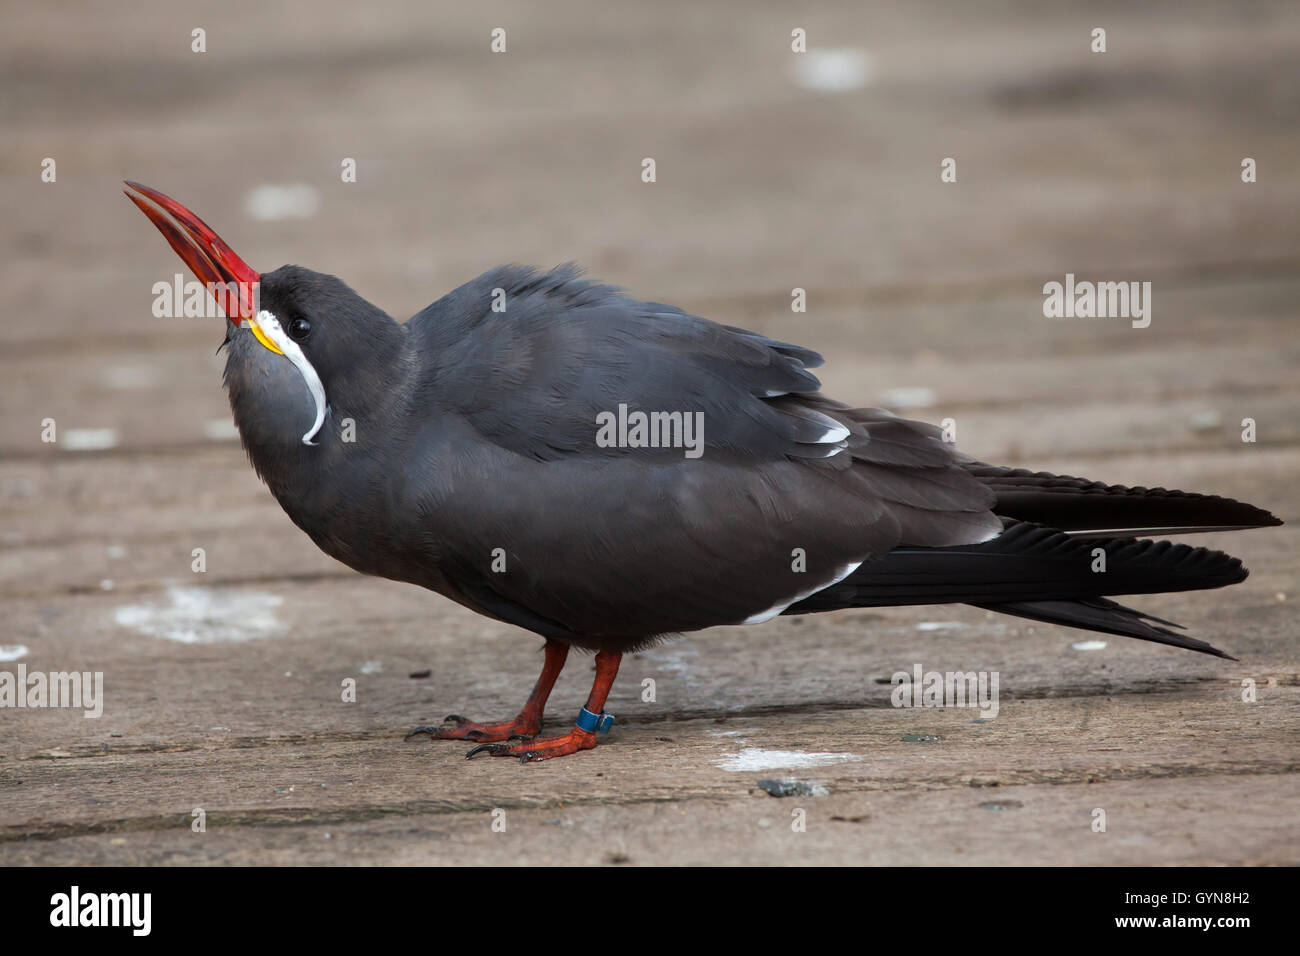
261 336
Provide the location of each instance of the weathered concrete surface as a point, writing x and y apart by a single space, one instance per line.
1119 166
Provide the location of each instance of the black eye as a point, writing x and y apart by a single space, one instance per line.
299 328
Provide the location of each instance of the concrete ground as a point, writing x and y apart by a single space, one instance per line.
222 688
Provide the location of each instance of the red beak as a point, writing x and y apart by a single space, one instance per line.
228 278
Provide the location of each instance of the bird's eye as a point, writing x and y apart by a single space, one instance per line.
299 328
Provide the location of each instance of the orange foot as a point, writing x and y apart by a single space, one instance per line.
543 748
521 727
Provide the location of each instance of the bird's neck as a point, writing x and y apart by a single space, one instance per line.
273 409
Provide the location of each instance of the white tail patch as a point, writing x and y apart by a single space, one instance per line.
776 609
270 325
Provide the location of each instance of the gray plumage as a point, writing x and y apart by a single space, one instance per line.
475 430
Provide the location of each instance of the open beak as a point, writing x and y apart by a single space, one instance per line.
231 281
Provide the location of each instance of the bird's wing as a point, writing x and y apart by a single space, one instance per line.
534 376
789 493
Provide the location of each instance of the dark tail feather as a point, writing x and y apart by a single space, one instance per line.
1042 574
1027 563
1090 509
1100 614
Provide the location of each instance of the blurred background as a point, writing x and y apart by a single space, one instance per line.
775 170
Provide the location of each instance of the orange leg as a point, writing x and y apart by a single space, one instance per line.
581 737
527 724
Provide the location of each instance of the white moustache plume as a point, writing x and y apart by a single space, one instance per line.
270 326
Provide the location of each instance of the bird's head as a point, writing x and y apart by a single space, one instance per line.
299 342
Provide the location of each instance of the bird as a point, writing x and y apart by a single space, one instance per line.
608 473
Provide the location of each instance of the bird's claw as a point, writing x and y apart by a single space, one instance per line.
539 748
522 727
501 750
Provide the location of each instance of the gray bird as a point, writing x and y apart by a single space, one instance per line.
605 473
